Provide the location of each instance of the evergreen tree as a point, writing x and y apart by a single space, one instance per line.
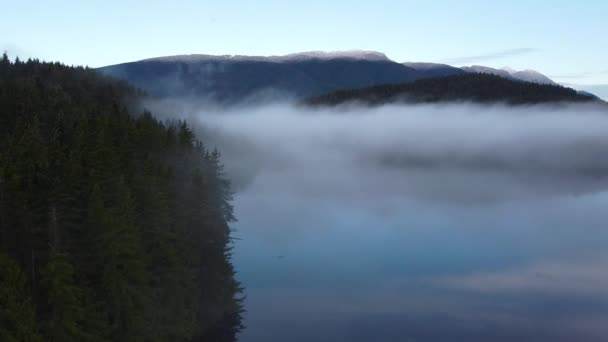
17 314
113 225
65 301
122 270
470 87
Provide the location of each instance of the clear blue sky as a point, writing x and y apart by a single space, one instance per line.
556 37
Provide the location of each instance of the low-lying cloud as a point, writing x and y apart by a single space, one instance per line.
456 153
381 220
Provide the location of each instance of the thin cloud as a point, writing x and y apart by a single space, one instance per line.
490 56
419 152
583 74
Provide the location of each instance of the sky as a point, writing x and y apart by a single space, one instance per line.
563 39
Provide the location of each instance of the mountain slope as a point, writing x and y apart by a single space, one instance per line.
232 79
239 78
599 90
434 69
473 87
531 76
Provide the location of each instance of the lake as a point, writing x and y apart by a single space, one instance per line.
420 224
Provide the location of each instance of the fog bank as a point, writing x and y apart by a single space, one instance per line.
455 153
385 223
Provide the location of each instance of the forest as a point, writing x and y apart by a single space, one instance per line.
471 87
114 226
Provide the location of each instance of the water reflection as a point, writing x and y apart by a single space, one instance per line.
421 224
533 271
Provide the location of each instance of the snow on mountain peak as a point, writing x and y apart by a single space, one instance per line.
349 54
324 55
508 69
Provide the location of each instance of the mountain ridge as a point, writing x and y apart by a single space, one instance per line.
471 87
322 55
526 75
231 79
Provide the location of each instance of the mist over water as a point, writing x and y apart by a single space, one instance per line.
419 223
455 153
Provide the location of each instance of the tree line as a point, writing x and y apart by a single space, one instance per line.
114 226
470 87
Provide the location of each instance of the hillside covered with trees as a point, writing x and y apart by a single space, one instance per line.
231 80
113 226
472 87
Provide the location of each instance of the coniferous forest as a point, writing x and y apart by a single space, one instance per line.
471 87
114 226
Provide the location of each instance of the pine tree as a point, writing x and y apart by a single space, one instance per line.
120 222
96 323
122 270
65 301
170 278
17 314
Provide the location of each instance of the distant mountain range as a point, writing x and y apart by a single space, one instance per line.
232 79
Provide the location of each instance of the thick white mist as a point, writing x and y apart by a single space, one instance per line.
465 221
456 153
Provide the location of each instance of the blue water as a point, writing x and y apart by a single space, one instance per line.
420 223
323 270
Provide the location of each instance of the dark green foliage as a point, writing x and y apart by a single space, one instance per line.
17 316
113 225
66 311
478 88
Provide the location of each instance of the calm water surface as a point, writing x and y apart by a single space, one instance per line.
421 224
327 271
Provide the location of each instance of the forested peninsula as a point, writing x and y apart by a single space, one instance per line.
114 226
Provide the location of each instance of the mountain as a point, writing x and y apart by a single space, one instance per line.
487 70
299 56
532 76
231 79
434 69
586 93
471 87
509 73
599 90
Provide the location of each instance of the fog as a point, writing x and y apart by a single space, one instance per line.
421 223
456 153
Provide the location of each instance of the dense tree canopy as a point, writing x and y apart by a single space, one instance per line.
477 88
113 225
